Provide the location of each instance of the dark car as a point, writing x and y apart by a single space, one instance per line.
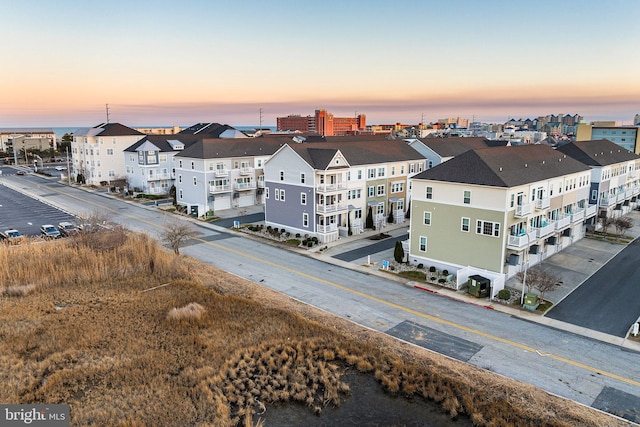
48 231
67 229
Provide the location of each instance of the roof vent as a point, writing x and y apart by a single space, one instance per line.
525 165
500 168
543 162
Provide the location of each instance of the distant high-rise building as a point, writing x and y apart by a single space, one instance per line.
626 137
636 120
323 123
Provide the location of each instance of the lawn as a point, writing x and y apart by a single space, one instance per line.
130 334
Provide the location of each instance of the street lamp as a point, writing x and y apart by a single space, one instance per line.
524 276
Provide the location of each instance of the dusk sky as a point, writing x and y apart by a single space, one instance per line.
162 63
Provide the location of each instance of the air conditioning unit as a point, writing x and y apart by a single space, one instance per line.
551 240
567 232
534 249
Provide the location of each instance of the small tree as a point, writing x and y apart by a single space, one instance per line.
175 233
623 224
390 218
606 221
398 252
545 282
369 223
407 215
172 194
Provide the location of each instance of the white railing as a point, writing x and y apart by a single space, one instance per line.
219 188
244 185
620 197
261 182
222 172
545 230
246 171
323 188
563 222
543 203
524 210
578 215
327 228
607 201
330 208
591 211
521 241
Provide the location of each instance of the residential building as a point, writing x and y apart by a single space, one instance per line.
327 189
323 123
296 122
626 137
456 122
615 180
439 150
215 174
498 209
170 130
97 153
149 163
7 135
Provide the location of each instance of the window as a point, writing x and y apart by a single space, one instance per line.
594 194
371 191
465 225
427 218
281 175
467 198
512 202
302 178
359 173
282 195
112 173
371 173
180 164
357 214
380 209
162 158
193 165
266 193
109 151
401 169
354 194
180 179
393 170
277 191
397 187
305 220
180 194
429 193
380 172
488 228
423 244
412 168
259 163
380 190
303 198
195 181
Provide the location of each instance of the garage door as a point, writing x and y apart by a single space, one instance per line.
221 202
245 199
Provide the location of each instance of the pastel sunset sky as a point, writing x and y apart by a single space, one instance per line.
158 62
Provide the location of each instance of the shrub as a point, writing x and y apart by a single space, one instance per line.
442 280
433 278
269 228
294 242
432 269
421 265
445 272
283 231
304 242
419 275
309 243
192 311
297 235
19 291
275 230
504 294
315 239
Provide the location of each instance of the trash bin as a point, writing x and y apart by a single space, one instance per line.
479 286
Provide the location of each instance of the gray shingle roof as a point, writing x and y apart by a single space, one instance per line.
601 152
161 141
451 147
505 166
215 148
116 129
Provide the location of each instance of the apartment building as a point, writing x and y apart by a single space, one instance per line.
97 152
326 189
626 137
495 209
40 137
439 150
323 123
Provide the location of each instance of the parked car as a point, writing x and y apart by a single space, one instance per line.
20 173
11 236
61 168
68 229
48 231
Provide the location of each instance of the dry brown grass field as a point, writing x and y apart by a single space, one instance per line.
88 322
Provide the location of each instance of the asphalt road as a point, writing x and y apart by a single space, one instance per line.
374 247
609 300
591 372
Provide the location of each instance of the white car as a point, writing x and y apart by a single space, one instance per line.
61 168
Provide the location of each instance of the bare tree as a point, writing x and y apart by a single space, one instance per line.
623 224
530 278
545 282
175 233
606 221
98 232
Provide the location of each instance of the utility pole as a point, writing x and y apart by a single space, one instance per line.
107 106
261 120
68 169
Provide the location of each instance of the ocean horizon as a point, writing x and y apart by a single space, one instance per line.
61 131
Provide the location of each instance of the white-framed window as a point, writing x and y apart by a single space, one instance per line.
393 170
357 214
397 187
354 194
422 245
466 198
195 181
180 179
282 195
401 169
180 164
302 178
380 190
594 194
259 163
427 218
180 195
193 165
466 224
380 209
412 168
429 193
305 220
109 151
513 200
277 193
281 175
380 172
371 191
488 228
266 193
112 173
162 158
359 174
303 198
371 173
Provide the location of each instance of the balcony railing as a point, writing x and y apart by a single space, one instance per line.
261 183
244 186
521 241
524 210
330 208
543 203
329 228
225 188
607 201
590 211
620 197
326 188
563 222
577 215
545 230
221 172
246 171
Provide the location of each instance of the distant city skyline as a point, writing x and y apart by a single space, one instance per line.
167 63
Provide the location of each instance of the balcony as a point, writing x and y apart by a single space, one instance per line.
220 173
591 211
522 241
224 188
261 182
328 188
329 228
244 186
545 230
246 171
563 222
523 210
159 176
333 208
607 201
543 203
578 215
620 197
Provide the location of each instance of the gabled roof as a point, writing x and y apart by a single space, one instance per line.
116 129
162 142
206 130
215 148
601 152
318 158
505 166
451 147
